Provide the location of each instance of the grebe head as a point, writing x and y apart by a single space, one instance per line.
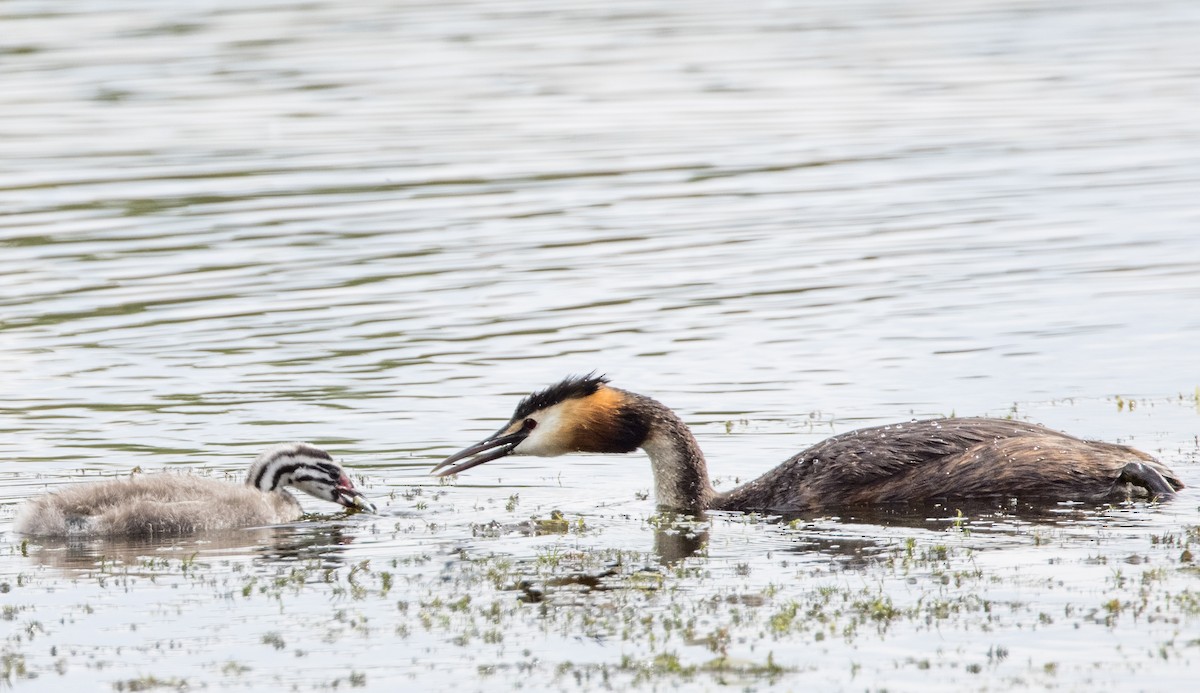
579 414
309 469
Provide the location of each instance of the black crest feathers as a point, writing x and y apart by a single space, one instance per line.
572 387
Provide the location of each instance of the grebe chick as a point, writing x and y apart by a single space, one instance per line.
176 504
937 459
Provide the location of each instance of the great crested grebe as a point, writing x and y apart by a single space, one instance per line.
176 504
936 459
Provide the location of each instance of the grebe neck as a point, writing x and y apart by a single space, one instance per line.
680 472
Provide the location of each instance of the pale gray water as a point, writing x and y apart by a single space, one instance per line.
375 225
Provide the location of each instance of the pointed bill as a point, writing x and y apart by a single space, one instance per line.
494 447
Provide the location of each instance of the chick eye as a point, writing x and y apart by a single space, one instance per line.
529 424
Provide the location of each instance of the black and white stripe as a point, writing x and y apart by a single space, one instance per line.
289 463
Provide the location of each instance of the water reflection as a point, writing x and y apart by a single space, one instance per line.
998 514
857 537
324 543
679 537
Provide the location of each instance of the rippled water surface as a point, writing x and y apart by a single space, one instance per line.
375 225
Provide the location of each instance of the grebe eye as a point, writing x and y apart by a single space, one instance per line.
529 424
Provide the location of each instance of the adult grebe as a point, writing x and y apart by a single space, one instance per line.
937 459
176 504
